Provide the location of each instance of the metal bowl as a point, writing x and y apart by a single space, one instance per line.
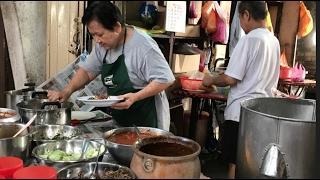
49 133
69 146
73 171
13 118
123 153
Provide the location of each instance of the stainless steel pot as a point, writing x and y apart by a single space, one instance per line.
18 146
13 118
13 97
183 166
47 112
277 139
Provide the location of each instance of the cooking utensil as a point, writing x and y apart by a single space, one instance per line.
138 133
289 128
84 148
25 127
93 174
48 112
179 158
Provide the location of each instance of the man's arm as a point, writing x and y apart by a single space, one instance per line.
221 80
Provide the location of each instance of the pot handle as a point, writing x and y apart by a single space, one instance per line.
28 89
148 165
37 93
32 84
44 104
273 164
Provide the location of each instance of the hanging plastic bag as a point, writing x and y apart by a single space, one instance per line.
219 35
205 12
305 21
212 22
299 73
208 17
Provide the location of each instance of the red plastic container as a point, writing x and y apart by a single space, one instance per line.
36 172
2 177
9 164
286 73
190 84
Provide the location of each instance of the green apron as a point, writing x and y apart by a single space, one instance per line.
115 77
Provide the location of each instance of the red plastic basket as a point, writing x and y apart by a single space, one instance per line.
190 84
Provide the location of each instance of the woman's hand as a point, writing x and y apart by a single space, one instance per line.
60 96
128 100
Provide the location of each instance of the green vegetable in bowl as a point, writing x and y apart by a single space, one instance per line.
59 155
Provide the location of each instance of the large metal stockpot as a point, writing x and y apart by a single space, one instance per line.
47 112
277 139
15 146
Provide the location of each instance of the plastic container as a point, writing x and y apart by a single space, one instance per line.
36 172
2 177
9 165
190 84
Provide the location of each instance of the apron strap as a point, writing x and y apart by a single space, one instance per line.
124 40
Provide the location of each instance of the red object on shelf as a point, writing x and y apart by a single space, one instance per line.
286 73
9 165
36 172
190 84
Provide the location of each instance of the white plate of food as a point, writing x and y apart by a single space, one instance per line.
97 101
82 115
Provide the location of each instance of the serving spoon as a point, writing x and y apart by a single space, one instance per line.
93 174
138 133
25 126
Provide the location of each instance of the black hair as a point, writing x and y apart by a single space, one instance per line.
103 12
257 9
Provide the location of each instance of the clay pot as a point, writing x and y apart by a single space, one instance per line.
171 157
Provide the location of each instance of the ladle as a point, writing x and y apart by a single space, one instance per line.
27 125
138 132
93 174
84 148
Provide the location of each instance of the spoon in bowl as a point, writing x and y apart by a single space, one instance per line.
93 174
138 133
25 126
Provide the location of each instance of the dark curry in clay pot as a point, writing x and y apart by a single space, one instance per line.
170 157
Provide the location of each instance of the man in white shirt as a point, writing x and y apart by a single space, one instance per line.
253 71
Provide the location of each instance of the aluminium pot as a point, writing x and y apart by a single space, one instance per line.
47 112
19 146
277 139
171 164
13 97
